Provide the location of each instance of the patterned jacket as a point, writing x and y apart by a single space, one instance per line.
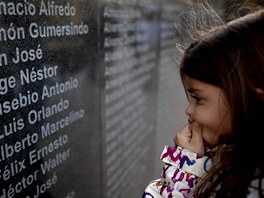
181 172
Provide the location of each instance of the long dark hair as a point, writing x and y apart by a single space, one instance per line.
232 57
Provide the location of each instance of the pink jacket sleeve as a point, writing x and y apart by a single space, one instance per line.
181 171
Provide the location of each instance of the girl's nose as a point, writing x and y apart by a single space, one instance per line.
189 110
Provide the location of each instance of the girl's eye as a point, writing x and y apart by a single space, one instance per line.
196 98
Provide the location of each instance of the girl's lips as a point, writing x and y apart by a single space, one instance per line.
190 121
206 144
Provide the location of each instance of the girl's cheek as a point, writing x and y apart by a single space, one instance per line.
197 115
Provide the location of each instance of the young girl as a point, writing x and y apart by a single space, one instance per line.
219 152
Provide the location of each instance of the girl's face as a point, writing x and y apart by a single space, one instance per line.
209 107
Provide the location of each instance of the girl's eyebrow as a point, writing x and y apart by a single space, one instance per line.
193 90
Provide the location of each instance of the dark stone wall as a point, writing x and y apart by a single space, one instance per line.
89 93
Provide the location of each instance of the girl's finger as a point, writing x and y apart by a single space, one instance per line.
197 143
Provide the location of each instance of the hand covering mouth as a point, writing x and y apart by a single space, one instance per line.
206 144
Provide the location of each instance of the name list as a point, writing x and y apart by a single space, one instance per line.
34 96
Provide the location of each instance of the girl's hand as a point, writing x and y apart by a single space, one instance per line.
191 138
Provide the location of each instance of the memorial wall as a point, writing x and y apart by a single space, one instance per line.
89 94
129 59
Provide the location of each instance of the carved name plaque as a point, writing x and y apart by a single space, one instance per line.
49 99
